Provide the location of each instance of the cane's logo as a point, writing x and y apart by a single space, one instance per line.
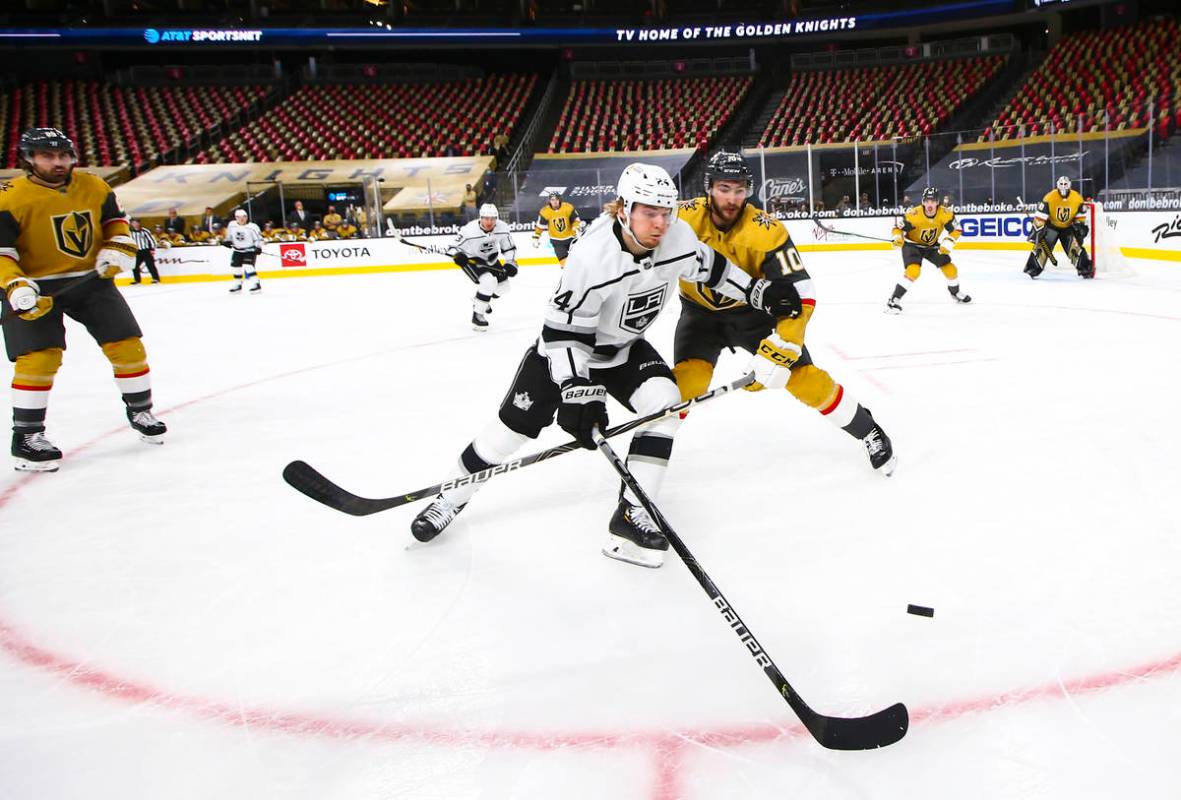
74 233
293 254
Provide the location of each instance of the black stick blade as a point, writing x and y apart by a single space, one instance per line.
304 478
859 733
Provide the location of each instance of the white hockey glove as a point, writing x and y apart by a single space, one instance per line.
772 363
117 255
25 298
946 244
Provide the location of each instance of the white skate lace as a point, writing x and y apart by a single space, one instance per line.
37 441
144 418
642 520
440 513
873 443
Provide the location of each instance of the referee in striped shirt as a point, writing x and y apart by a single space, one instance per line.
145 252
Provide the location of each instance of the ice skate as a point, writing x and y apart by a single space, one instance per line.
34 453
150 429
479 323
635 537
893 306
880 451
434 519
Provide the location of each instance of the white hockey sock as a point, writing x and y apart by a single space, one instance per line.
493 445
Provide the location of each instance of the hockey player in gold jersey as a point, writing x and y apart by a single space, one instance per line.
560 220
760 246
929 231
63 238
1061 218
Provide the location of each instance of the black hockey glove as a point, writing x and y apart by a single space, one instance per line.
778 298
226 243
584 405
510 269
1081 230
461 260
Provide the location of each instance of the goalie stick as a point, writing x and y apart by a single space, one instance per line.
879 729
1036 243
304 478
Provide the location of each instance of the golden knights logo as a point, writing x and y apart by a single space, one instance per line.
716 299
929 236
74 233
1063 214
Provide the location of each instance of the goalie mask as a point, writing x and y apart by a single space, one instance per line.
1063 186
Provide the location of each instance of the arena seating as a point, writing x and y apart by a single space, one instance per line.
113 125
1129 75
875 103
603 116
423 120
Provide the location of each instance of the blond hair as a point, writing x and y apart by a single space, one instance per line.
614 207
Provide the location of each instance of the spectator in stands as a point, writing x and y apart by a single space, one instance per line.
500 148
863 202
295 232
906 201
450 151
845 204
174 224
347 230
208 220
269 233
470 201
332 219
145 252
299 215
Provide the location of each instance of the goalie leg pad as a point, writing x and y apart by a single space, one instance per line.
812 386
1036 263
693 377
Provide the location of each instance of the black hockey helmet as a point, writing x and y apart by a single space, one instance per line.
35 139
930 193
552 195
725 166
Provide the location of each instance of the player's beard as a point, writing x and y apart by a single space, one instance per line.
725 215
59 176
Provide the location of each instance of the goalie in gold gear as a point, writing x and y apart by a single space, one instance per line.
1061 218
709 321
63 238
929 231
560 220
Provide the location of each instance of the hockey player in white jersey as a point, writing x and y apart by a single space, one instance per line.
246 241
477 250
623 272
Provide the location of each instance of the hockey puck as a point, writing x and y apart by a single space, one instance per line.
921 611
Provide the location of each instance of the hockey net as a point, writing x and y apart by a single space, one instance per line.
1104 244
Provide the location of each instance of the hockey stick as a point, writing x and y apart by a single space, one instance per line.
304 478
882 728
71 285
426 248
829 229
439 251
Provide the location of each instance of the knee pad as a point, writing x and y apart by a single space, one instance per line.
812 386
693 376
912 272
657 394
487 284
38 367
949 271
126 355
502 288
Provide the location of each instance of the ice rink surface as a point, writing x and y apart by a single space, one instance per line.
176 622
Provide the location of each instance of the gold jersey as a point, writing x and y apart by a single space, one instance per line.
560 223
917 228
1061 212
747 243
56 232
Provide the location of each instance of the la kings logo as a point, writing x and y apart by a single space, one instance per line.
74 233
641 309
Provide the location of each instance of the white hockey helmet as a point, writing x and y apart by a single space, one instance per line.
489 210
647 184
240 214
1064 186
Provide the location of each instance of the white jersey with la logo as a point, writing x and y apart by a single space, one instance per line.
485 247
608 297
243 237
